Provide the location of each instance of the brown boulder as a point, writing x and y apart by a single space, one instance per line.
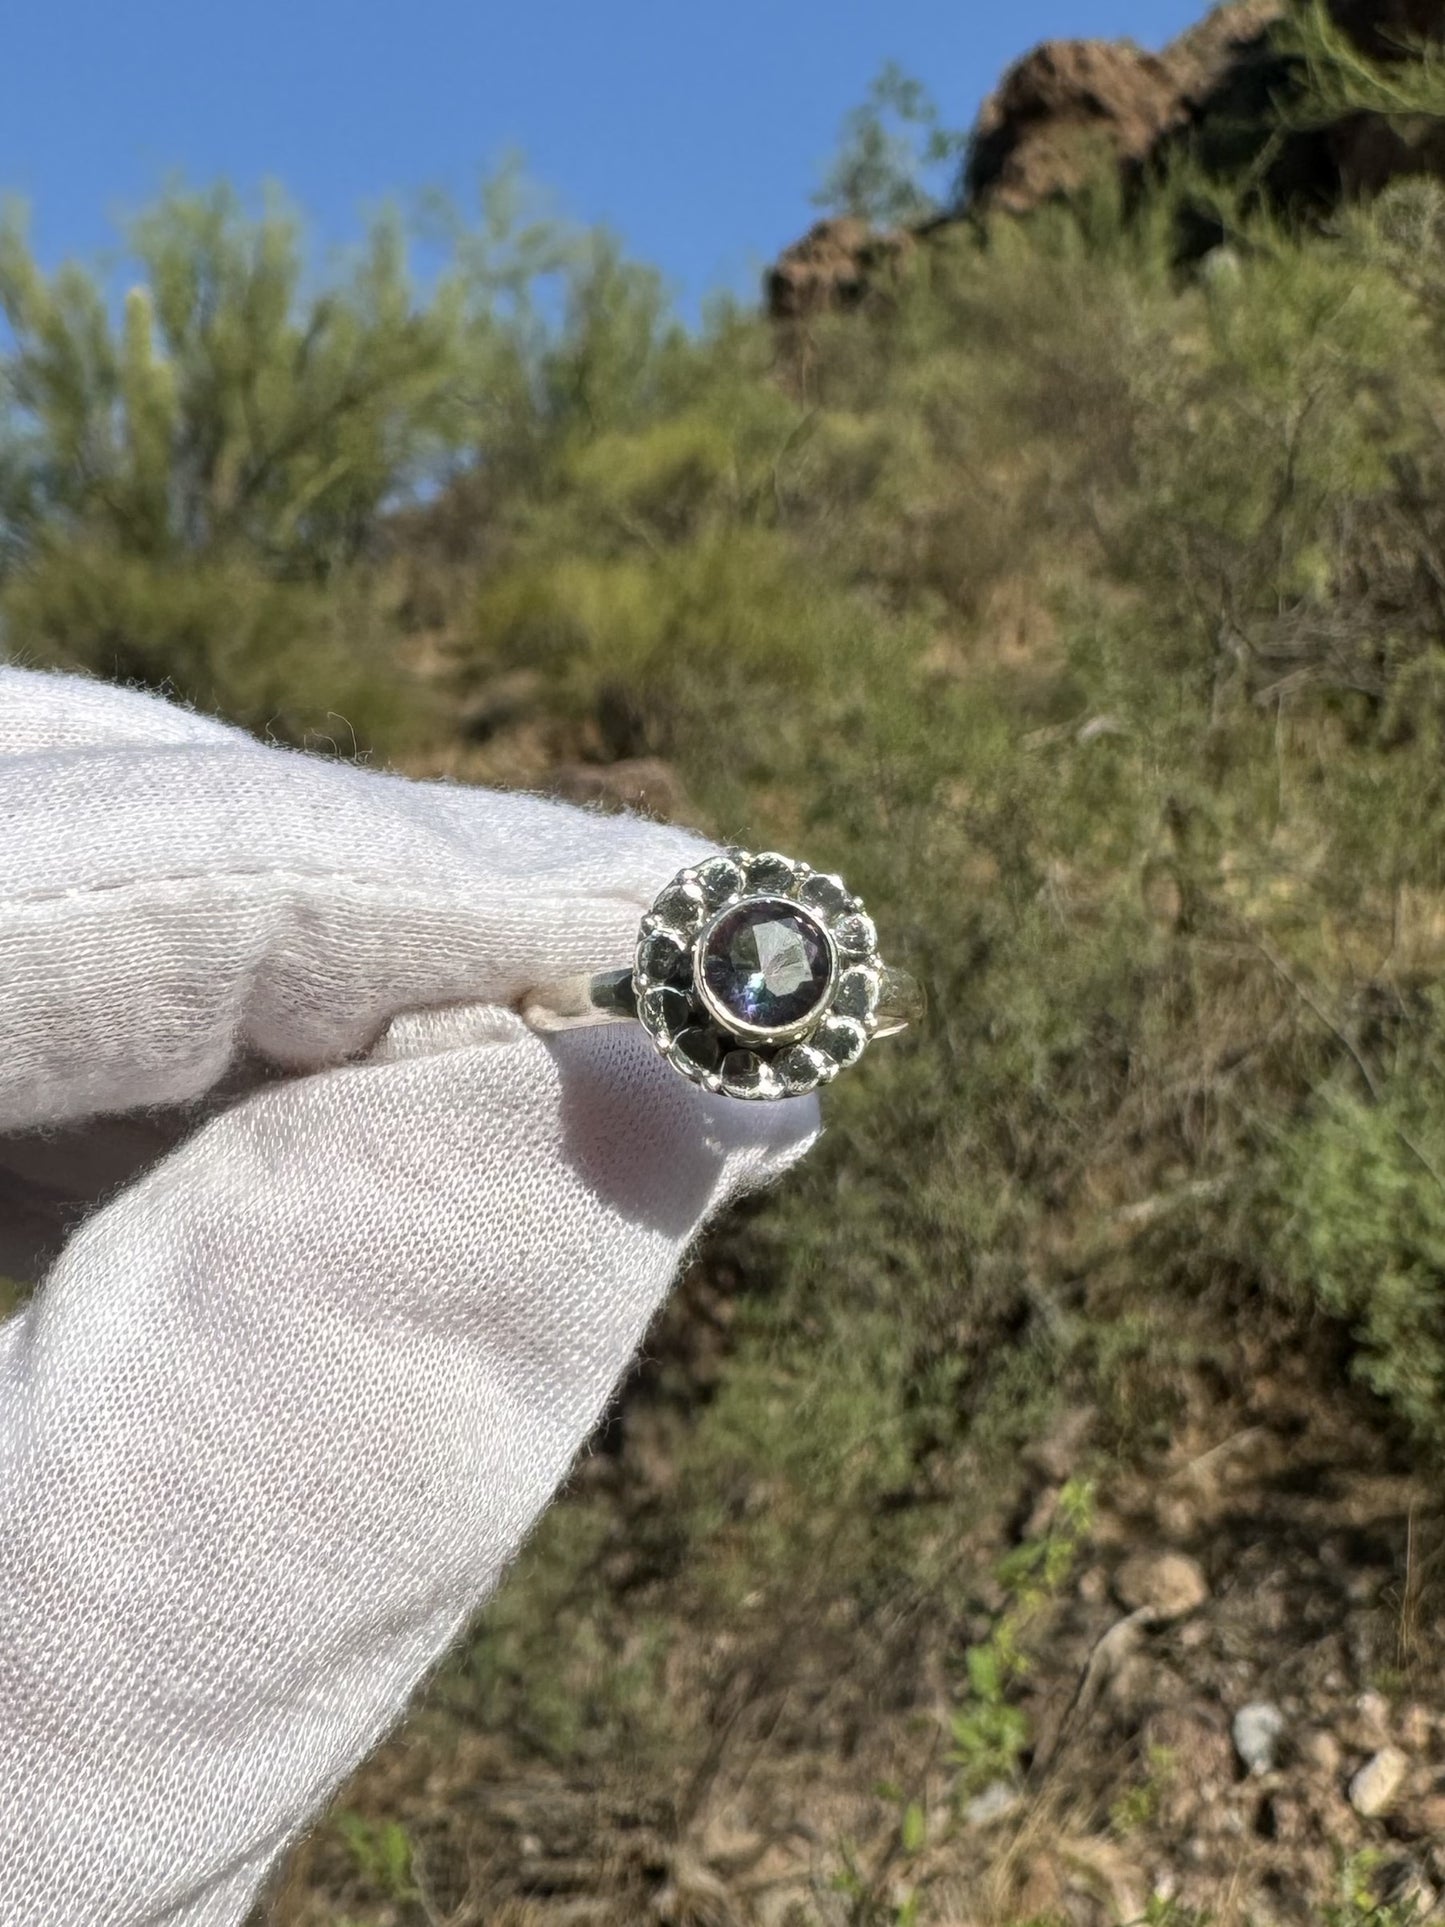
1061 111
1071 106
834 266
1207 52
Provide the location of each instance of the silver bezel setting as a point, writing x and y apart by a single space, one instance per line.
713 1047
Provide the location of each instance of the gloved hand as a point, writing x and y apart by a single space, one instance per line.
367 1262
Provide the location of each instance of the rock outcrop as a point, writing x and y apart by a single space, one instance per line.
834 265
1072 108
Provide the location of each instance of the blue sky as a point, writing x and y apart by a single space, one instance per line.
697 132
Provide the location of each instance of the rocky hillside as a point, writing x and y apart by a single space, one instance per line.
1070 110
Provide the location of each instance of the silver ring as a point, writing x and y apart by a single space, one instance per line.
754 975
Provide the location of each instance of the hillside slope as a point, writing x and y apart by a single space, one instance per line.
1030 1512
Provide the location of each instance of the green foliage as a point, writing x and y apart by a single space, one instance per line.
184 487
1169 1913
382 1852
1359 1903
889 143
868 1905
1362 1229
307 662
1340 80
1139 1804
989 1732
196 489
225 407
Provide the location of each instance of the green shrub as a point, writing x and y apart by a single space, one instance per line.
307 662
1361 1231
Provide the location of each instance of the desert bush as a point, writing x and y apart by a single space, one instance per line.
890 144
195 483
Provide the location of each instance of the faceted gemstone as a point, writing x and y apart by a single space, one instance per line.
802 1069
699 1049
827 893
768 872
766 964
744 1074
665 1009
841 1038
718 879
855 935
681 907
856 994
665 959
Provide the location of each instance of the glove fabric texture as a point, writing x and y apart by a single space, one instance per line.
340 1263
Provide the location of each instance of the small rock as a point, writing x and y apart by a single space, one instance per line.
1093 1586
1374 1787
1258 1729
1045 1511
838 263
1176 1517
1403 1885
1363 1588
1372 1719
1416 1726
1321 1750
997 1801
1221 264
1170 1584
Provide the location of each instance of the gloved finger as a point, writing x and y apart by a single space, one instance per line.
41 710
166 908
51 1180
285 1409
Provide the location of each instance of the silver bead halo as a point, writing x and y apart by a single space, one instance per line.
712 1046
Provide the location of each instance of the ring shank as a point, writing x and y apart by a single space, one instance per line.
609 997
572 1003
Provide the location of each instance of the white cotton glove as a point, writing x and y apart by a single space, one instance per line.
289 1401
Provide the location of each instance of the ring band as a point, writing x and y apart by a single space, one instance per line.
610 997
754 974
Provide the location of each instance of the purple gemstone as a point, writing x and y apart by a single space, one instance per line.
767 964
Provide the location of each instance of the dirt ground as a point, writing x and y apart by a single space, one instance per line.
1277 1560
